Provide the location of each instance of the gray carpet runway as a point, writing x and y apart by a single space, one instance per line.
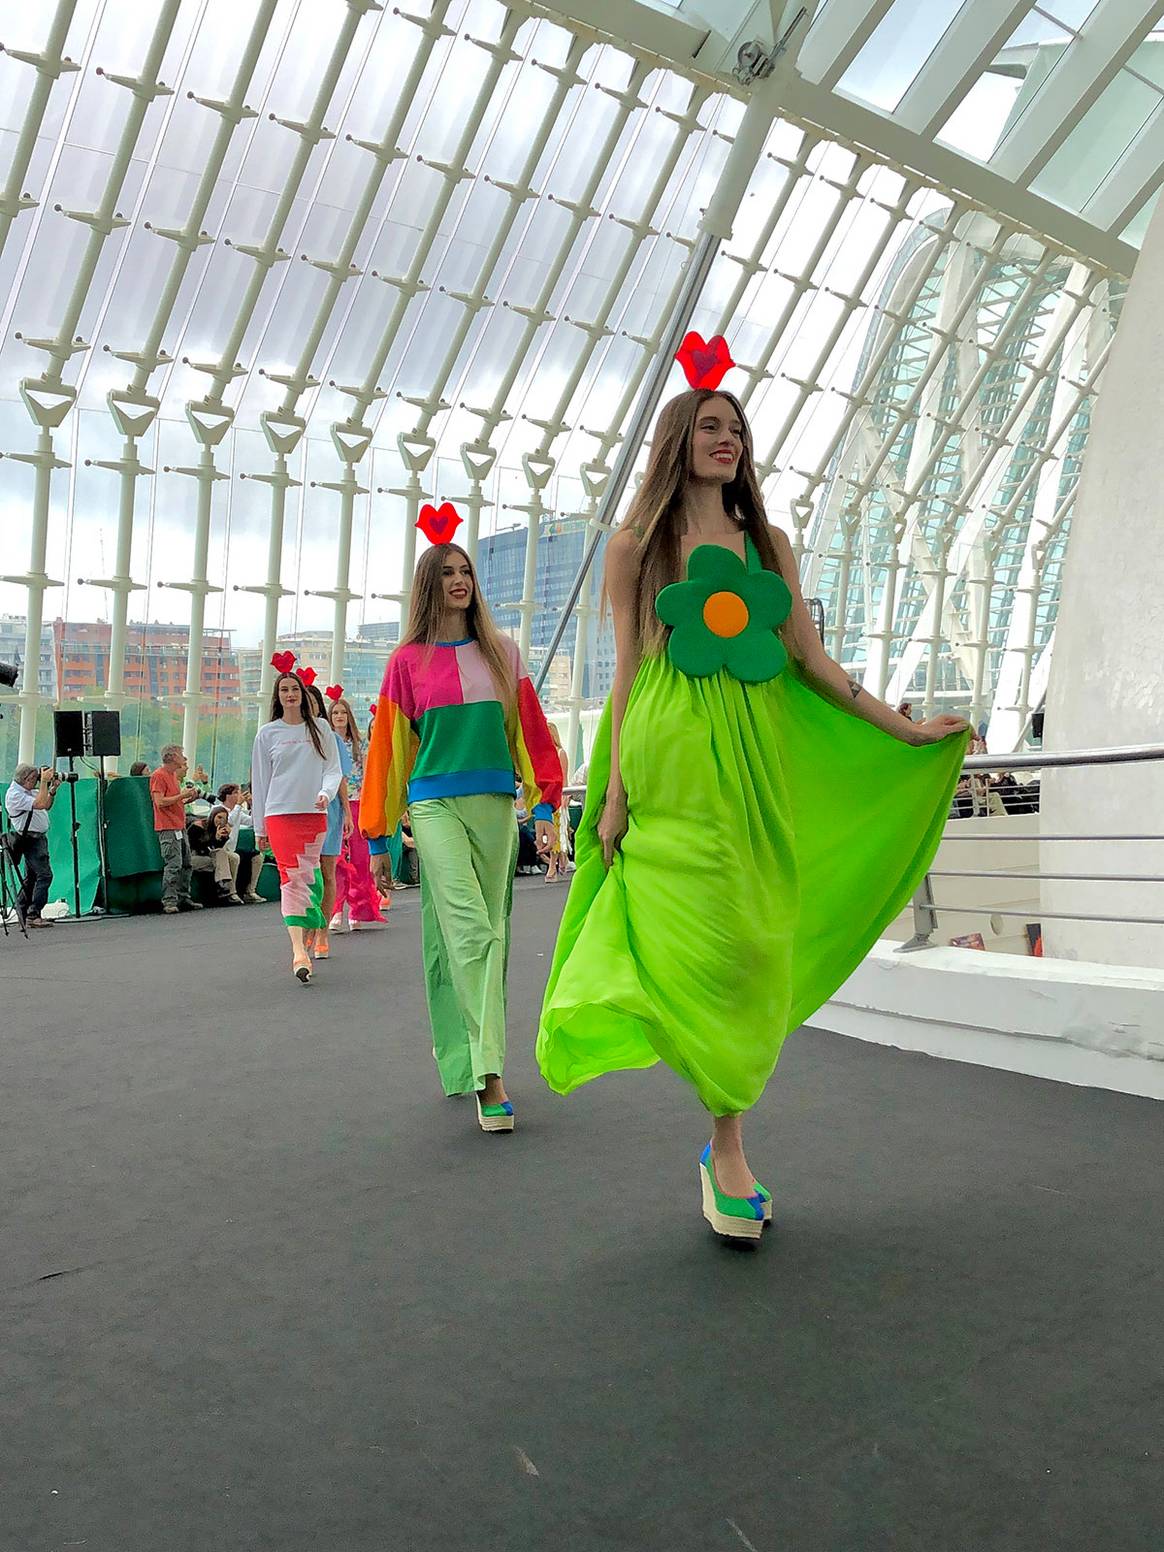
264 1288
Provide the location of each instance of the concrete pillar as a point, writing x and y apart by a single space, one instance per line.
1107 673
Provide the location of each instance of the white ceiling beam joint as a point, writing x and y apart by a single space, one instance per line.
964 51
838 35
1086 68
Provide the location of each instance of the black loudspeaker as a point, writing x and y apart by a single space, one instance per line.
69 733
80 733
103 732
1037 725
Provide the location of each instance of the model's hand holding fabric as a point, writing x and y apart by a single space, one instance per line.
935 730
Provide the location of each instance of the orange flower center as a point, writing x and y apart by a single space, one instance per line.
725 614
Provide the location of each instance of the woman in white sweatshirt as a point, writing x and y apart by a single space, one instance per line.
295 773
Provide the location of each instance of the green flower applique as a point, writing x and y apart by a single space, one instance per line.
725 616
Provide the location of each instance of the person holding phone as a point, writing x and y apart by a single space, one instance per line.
170 792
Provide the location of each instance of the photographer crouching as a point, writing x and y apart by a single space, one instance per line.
28 800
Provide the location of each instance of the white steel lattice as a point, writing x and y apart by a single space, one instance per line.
328 261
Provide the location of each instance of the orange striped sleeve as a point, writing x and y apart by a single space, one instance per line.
536 756
391 755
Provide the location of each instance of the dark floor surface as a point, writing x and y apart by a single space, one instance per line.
264 1288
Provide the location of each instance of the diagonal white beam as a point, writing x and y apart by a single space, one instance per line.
965 49
1110 37
845 119
1133 180
839 34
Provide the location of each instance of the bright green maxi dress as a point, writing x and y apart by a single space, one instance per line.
771 838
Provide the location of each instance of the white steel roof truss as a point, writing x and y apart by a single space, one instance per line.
1134 179
851 300
966 48
840 32
50 63
1110 37
861 395
1007 517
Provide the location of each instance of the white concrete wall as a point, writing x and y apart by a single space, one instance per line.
1095 1025
1107 673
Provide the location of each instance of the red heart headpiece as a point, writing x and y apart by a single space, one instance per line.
334 692
438 527
307 675
283 662
704 362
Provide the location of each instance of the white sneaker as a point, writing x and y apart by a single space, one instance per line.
372 926
337 923
252 898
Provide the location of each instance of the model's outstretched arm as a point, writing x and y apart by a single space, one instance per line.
832 683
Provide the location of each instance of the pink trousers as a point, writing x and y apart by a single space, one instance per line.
353 877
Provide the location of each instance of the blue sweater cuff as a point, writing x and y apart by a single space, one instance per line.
377 845
543 811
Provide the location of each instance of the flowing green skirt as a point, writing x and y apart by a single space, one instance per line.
772 837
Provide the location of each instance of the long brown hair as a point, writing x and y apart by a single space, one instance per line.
655 513
276 711
427 611
353 734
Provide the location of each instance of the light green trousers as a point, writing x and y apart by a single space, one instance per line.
468 851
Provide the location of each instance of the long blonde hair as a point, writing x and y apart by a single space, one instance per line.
427 611
656 511
353 734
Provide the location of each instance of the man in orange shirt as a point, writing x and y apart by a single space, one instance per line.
170 797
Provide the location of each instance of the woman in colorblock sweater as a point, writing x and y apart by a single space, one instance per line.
295 773
456 718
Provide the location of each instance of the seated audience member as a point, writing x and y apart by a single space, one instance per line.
962 806
140 768
27 802
249 866
906 711
210 853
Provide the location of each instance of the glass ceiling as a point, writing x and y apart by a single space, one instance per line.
275 272
1063 97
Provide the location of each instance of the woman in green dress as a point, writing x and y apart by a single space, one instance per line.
812 806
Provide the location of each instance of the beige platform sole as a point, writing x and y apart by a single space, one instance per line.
747 1229
502 1123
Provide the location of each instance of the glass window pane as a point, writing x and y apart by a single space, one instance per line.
909 33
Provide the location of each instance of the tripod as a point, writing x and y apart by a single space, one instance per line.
71 778
11 883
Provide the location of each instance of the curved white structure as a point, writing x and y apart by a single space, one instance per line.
1107 686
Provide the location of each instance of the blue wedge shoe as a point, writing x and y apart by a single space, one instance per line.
735 1217
763 1191
495 1118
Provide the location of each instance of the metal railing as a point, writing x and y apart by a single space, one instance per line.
926 909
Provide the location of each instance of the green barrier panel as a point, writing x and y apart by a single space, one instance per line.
131 843
133 856
61 850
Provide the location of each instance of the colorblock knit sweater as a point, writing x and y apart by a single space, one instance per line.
440 731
